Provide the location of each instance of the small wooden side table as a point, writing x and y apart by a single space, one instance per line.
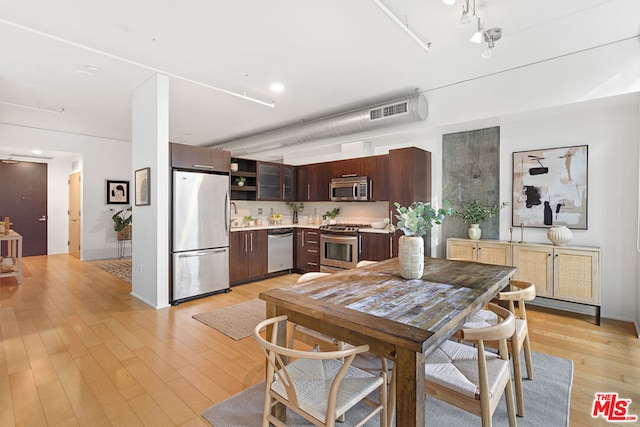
14 250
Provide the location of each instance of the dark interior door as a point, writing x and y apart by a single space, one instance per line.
24 199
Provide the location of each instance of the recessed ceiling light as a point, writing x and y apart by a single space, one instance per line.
36 151
93 69
276 87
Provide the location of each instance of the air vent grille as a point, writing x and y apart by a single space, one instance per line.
389 110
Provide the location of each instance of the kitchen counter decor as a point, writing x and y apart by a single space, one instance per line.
414 221
295 208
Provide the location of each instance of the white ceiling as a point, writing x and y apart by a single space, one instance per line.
331 55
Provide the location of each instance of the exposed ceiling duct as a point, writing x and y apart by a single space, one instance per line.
398 111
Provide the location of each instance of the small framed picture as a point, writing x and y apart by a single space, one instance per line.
143 187
117 192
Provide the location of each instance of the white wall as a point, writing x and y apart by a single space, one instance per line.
101 159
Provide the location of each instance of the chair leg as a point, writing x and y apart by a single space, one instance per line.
517 376
391 405
527 356
511 410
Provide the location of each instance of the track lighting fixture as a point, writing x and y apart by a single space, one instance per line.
404 26
489 36
36 107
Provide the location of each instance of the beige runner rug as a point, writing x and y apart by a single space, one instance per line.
236 321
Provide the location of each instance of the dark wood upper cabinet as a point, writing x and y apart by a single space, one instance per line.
379 177
350 167
275 181
312 182
192 157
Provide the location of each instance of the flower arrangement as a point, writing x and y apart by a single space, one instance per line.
419 217
295 207
475 213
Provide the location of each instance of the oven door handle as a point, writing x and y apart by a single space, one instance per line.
333 237
355 191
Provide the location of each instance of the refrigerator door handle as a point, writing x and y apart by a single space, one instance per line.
227 213
217 251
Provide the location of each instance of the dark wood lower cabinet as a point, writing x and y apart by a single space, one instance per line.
376 246
247 256
307 257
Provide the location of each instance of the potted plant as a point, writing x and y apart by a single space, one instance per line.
240 181
122 221
248 220
474 214
414 221
331 215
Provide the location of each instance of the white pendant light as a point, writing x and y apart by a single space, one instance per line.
449 2
477 36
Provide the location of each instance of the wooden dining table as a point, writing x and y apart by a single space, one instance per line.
401 320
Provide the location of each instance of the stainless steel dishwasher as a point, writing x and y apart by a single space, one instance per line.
280 249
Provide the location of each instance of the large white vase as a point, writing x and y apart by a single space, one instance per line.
411 256
559 235
475 231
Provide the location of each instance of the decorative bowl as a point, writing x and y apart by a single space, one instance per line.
379 224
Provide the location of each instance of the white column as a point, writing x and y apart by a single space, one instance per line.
150 136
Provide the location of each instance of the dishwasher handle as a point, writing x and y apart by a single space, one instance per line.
280 236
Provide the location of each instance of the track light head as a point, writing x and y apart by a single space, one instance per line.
477 36
490 37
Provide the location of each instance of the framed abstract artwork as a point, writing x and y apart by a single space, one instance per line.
143 187
550 187
117 192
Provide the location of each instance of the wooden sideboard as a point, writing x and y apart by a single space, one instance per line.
565 273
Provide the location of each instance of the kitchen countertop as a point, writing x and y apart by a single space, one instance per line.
271 227
314 226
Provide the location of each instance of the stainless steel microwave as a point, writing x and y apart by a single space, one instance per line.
353 188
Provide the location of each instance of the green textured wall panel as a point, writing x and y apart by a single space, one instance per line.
471 171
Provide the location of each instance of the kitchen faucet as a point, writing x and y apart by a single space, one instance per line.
235 208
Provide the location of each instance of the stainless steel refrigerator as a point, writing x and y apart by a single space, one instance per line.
200 247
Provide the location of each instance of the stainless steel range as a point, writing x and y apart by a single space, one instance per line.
339 246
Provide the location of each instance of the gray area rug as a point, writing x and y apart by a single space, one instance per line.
236 321
547 399
121 268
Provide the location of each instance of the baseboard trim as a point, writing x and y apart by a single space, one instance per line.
573 307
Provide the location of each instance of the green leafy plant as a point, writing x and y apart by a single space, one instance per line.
297 207
475 213
241 179
331 214
122 218
247 219
419 217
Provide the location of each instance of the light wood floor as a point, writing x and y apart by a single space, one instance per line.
77 349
